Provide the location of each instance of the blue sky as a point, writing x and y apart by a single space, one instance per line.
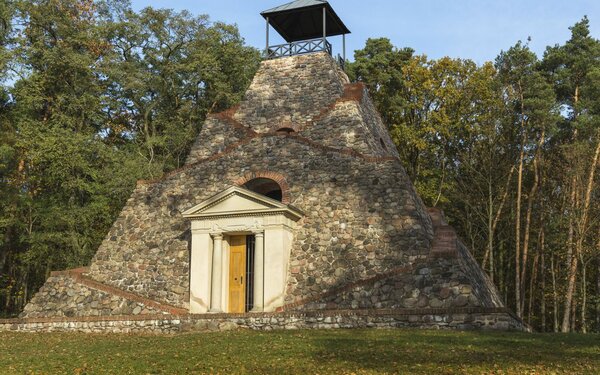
474 29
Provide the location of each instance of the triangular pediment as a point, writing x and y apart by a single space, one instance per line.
239 201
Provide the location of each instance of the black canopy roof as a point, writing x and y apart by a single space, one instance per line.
303 20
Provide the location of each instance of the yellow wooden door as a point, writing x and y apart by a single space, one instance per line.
237 274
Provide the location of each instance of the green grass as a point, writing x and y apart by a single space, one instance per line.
302 352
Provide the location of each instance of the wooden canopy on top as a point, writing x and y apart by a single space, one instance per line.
304 20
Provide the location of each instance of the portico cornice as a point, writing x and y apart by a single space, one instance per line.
264 206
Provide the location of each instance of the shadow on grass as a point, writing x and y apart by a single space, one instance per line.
301 352
384 351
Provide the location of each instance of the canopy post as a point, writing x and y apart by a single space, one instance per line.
267 48
324 26
344 47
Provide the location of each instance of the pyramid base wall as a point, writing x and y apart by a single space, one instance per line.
500 319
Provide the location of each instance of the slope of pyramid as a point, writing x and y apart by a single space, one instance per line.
355 234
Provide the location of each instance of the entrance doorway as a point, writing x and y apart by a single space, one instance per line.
241 275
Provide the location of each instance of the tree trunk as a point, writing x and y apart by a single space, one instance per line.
20 300
554 294
598 292
501 273
582 226
530 201
489 252
493 224
543 276
518 304
583 295
532 280
574 316
571 267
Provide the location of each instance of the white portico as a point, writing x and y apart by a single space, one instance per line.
236 235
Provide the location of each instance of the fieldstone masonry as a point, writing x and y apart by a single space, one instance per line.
61 296
366 253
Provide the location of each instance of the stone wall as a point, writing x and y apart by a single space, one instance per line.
438 283
362 217
366 241
218 132
378 130
293 90
483 286
459 318
308 94
61 296
343 126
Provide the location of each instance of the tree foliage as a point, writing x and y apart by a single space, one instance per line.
97 97
510 150
94 96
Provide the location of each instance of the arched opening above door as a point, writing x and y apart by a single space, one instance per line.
265 186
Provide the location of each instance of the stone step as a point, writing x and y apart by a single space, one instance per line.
449 253
78 275
437 217
444 242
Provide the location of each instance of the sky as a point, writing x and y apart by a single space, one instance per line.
468 29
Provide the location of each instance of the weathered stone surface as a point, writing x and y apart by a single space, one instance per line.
291 91
330 187
61 296
366 241
465 319
429 286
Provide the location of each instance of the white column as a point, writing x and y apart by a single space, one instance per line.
200 272
217 271
277 254
259 271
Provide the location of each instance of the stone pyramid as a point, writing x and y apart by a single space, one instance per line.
345 238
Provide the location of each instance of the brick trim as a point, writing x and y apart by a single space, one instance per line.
277 177
78 276
353 92
234 146
444 243
228 116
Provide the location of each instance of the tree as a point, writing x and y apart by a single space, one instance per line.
532 102
425 104
572 68
511 152
102 96
170 70
484 164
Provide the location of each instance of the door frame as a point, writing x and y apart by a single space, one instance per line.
235 211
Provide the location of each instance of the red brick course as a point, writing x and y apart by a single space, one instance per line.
444 243
353 92
78 276
228 117
233 147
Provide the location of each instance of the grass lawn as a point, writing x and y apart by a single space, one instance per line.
302 352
